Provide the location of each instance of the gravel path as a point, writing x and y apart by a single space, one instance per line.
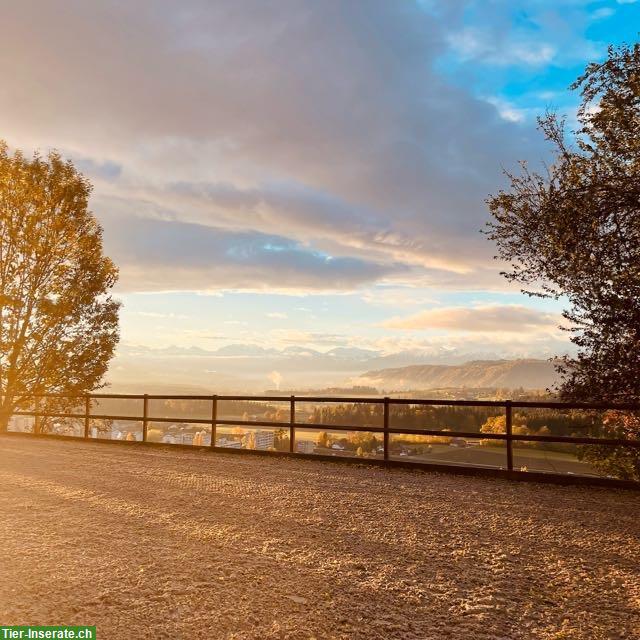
157 543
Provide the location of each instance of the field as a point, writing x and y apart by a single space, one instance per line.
528 458
172 543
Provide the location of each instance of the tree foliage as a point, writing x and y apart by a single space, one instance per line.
620 461
323 440
573 231
59 323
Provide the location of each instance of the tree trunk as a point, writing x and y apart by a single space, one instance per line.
6 411
4 420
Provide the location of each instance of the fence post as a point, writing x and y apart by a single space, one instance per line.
214 418
509 430
36 423
385 426
145 417
292 428
87 412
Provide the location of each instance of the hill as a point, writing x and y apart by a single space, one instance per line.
511 374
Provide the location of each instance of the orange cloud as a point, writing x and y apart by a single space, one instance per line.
482 319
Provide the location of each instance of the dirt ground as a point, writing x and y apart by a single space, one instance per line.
155 543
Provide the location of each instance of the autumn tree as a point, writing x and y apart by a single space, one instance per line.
281 440
498 424
59 323
573 232
249 440
364 440
323 440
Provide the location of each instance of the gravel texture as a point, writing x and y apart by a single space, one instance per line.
165 543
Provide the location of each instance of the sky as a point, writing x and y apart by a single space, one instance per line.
300 174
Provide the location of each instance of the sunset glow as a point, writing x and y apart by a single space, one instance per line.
311 175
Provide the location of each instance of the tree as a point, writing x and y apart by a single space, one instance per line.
574 232
249 440
281 440
155 435
363 440
323 440
59 323
498 424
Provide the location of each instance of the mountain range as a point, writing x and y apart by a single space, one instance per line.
249 368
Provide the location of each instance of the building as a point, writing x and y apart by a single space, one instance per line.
228 443
261 440
305 446
264 440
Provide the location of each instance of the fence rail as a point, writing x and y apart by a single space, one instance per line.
146 417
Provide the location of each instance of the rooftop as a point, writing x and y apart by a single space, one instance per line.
157 542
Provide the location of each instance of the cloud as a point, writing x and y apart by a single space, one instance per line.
298 337
480 319
507 110
397 297
603 13
512 48
326 124
302 212
154 314
526 36
160 256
